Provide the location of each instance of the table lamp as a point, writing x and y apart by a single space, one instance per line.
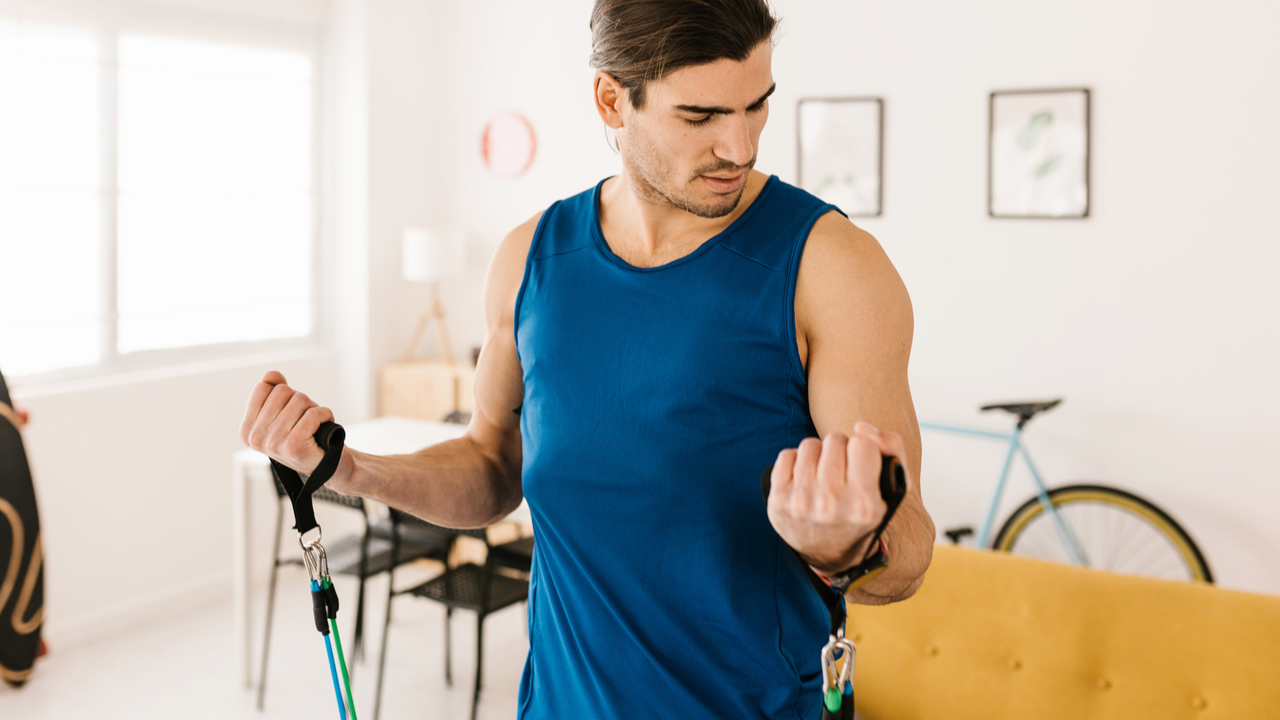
428 256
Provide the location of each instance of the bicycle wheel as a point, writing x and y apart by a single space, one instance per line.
1118 531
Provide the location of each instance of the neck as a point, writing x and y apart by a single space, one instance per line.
646 230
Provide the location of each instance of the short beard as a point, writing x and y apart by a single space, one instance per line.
727 203
655 189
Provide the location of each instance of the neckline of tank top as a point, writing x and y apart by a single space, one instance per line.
598 232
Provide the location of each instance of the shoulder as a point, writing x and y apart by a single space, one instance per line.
515 245
506 269
510 257
834 239
846 280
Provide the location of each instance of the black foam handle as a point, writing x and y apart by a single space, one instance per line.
328 434
893 480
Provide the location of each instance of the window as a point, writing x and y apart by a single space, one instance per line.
50 199
157 192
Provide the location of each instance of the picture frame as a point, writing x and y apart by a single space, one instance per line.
1038 154
840 152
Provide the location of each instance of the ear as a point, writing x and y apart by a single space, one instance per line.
609 99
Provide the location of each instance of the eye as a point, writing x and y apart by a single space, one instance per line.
757 108
702 121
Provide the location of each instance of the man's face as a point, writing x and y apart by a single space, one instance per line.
696 138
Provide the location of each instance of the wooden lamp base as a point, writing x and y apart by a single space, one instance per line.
433 312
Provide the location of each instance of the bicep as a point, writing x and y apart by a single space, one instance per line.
499 384
855 321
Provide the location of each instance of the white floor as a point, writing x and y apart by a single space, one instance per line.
185 669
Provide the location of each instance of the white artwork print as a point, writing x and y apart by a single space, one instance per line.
1039 154
840 153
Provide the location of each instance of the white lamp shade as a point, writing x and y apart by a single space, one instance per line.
429 256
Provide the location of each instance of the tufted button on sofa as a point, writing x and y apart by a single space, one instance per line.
990 636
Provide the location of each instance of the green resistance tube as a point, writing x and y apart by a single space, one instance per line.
342 661
832 700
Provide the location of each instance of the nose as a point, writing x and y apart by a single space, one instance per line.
734 143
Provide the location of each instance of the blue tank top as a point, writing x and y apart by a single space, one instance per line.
653 399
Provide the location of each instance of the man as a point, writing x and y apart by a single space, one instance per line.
652 345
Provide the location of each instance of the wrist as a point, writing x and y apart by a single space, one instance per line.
848 559
868 567
348 478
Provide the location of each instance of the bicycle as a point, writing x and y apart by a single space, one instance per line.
1089 525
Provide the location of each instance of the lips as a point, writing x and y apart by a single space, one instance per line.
725 185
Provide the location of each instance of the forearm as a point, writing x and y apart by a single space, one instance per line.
909 545
453 483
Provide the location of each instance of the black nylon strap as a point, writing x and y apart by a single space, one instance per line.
331 438
893 488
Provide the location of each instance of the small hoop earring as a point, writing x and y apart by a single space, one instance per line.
613 144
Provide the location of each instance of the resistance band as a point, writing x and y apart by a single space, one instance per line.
837 683
324 598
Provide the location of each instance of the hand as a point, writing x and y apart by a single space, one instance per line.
281 422
24 415
825 495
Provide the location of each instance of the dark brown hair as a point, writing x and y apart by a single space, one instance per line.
638 41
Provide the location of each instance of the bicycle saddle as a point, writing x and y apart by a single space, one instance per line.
1024 410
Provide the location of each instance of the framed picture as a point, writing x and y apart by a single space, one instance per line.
1038 154
840 152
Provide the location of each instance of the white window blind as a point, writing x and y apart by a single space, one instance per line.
157 192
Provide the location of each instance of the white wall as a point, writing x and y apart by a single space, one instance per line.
438 72
1153 317
133 480
345 120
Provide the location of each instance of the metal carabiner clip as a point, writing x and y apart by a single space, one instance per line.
316 560
850 657
305 543
833 682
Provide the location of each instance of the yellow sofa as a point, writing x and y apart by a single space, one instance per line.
990 636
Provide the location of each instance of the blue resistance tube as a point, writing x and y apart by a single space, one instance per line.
333 667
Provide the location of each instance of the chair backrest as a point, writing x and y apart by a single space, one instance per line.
400 517
324 494
991 635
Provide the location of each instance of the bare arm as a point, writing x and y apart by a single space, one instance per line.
854 329
471 481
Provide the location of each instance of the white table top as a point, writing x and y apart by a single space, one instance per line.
393 436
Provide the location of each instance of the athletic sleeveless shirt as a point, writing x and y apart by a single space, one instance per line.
653 399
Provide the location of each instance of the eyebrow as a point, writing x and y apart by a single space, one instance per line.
700 110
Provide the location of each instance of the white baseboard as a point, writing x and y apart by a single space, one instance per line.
65 633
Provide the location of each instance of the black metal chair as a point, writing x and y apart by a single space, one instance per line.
477 588
363 555
516 555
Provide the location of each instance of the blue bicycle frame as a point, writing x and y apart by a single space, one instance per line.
1074 550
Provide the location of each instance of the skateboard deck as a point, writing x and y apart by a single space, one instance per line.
21 555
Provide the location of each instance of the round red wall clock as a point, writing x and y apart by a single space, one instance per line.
508 145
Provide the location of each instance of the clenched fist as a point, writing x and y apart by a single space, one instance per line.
281 422
825 499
